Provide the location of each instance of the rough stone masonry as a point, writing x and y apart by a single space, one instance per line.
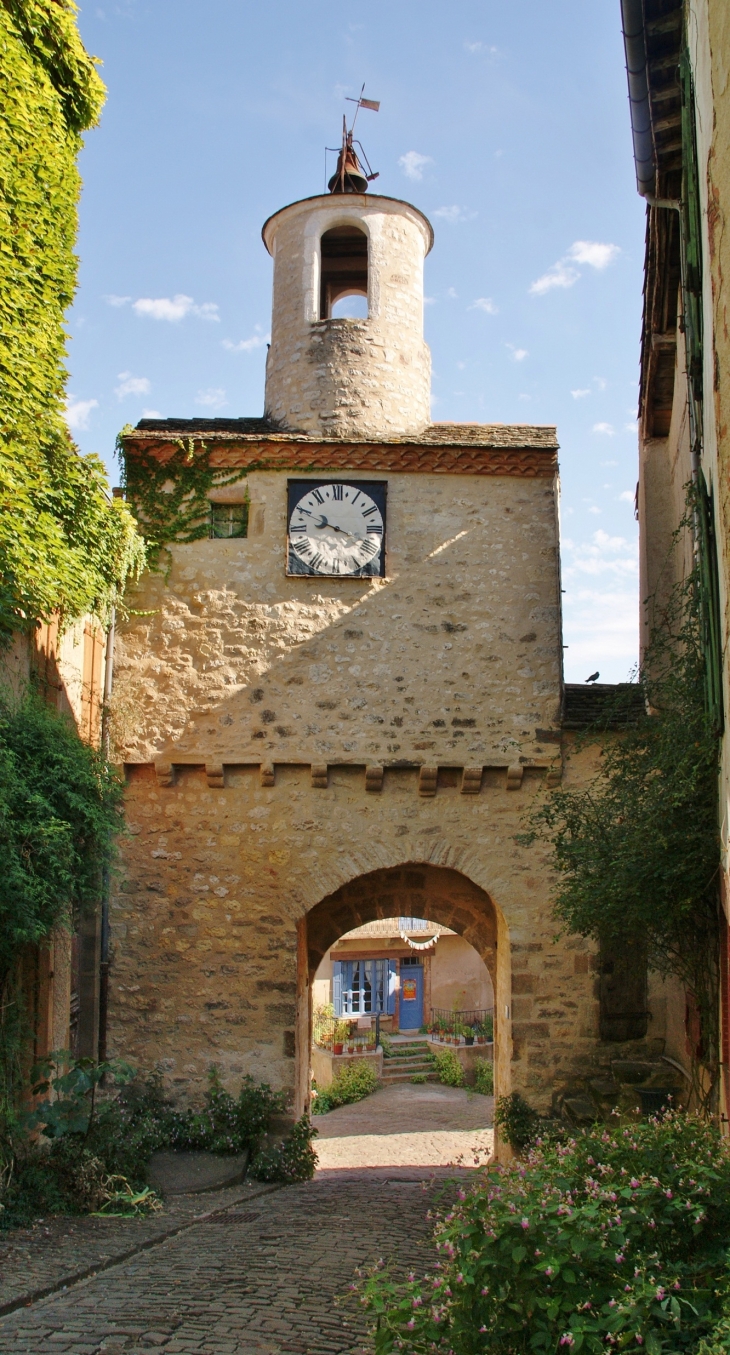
291 739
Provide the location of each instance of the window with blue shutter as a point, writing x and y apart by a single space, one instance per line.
363 987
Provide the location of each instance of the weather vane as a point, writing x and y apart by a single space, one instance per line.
349 177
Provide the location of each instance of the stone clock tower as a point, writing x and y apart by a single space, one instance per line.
336 694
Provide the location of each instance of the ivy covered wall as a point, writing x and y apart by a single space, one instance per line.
64 546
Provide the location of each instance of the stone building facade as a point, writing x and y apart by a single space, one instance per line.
311 747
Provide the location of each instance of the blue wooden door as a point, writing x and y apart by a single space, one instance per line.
411 997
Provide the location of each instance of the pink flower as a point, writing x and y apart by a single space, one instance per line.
548 1270
634 1183
525 1223
410 1325
485 1291
639 1339
460 1278
668 1194
482 1329
567 1339
660 1293
619 1257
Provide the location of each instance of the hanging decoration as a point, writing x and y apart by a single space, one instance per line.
419 945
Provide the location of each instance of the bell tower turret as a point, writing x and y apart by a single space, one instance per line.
339 377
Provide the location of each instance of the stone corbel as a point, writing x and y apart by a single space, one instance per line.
374 778
515 774
428 780
319 775
554 776
165 773
214 775
471 781
266 774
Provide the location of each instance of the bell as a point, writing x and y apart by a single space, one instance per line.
348 177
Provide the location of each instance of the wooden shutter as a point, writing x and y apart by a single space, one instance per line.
392 976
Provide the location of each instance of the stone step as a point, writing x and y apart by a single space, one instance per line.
389 1078
407 1062
409 1071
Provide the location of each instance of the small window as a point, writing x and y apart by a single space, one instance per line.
344 274
228 519
409 960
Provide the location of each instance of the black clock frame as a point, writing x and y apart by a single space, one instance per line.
296 489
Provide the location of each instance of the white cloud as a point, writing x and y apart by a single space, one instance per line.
213 397
564 274
452 293
151 414
131 385
174 308
484 303
594 254
595 510
78 412
454 215
429 300
477 48
601 382
519 354
632 427
609 463
560 275
113 300
580 394
605 428
247 345
627 496
413 164
528 398
601 606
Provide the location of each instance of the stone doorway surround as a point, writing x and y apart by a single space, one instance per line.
437 893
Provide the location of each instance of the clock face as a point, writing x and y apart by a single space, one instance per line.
336 529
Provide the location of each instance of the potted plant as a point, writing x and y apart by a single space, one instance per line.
341 1033
469 1035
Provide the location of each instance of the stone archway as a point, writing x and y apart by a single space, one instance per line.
416 890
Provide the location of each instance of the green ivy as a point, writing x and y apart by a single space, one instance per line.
60 804
64 545
170 497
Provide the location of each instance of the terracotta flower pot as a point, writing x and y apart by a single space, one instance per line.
337 1049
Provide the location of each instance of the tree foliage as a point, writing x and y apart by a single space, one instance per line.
60 804
637 852
63 545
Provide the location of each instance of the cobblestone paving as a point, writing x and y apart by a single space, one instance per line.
260 1279
408 1125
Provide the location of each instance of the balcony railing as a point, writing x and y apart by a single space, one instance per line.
469 1026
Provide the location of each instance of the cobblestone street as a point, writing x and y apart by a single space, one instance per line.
259 1279
261 1272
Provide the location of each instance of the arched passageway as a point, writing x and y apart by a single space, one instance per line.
435 892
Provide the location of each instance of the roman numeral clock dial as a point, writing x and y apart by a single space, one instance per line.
337 529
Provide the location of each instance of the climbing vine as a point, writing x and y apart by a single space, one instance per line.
170 498
64 545
637 852
60 804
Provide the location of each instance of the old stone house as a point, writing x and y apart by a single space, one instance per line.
336 706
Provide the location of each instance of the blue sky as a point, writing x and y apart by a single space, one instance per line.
506 124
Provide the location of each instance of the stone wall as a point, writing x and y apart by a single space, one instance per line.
343 377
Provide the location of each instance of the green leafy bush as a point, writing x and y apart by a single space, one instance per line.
517 1120
449 1069
293 1160
419 1078
352 1083
484 1077
97 1148
612 1240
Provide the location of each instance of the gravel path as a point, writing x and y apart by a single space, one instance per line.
408 1126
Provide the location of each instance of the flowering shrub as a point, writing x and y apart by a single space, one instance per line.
484 1077
352 1083
615 1239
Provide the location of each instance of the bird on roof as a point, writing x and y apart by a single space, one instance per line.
593 677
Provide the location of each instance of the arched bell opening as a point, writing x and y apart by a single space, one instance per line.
436 894
343 273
